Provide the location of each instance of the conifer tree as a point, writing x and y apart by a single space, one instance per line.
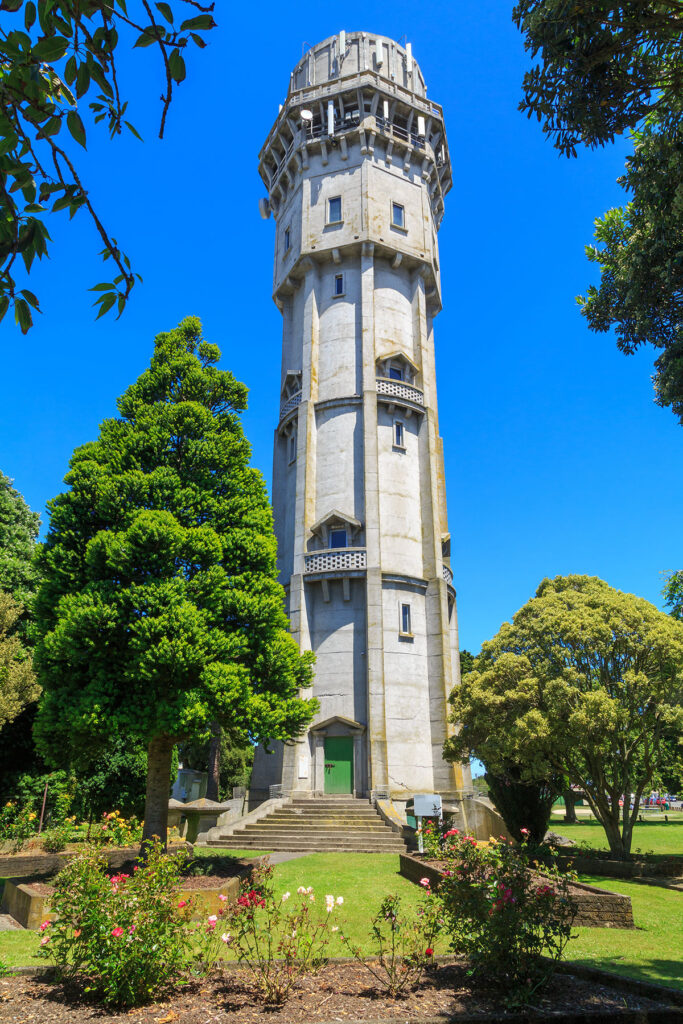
160 610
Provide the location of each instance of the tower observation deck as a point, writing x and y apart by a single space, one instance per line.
356 169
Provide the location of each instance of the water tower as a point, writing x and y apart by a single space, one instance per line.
356 169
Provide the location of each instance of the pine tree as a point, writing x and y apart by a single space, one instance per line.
160 610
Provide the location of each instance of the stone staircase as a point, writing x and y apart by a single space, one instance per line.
334 823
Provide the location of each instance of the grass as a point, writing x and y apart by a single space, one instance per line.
653 952
659 837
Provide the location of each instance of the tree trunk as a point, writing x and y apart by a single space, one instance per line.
159 756
569 812
212 785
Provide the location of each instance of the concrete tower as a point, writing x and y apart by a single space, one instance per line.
356 167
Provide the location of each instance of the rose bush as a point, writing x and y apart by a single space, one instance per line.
403 944
511 923
127 936
279 938
17 824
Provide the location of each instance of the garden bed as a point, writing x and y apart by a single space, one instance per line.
599 862
346 991
597 908
29 902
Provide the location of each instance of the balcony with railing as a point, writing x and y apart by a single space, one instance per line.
335 560
447 574
291 403
398 390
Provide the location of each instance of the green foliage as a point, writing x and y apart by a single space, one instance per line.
125 937
236 760
58 57
673 594
606 68
55 839
403 944
603 66
18 685
115 830
281 937
524 805
61 787
586 682
18 531
511 924
160 610
17 824
640 256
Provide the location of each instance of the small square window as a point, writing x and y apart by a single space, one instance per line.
398 218
338 538
395 373
334 210
399 435
292 447
288 240
405 620
338 284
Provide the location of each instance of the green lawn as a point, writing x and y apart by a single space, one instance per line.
658 837
653 951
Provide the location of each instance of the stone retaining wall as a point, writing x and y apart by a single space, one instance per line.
597 908
672 867
32 865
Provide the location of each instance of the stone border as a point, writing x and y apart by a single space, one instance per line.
670 1010
588 865
597 908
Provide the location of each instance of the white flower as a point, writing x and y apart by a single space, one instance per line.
285 896
226 937
312 898
309 890
329 899
301 891
294 934
340 900
335 928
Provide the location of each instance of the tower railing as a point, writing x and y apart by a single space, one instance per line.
399 389
335 560
289 404
447 574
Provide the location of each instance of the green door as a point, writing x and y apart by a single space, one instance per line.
339 764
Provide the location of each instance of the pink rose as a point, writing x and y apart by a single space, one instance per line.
45 939
117 932
44 925
183 903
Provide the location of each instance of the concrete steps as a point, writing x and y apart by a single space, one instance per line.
315 825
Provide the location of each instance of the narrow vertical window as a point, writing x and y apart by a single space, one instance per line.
405 620
397 215
292 446
288 240
334 210
338 284
399 435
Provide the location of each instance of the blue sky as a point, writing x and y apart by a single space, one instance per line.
557 460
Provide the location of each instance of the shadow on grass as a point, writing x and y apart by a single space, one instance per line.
666 973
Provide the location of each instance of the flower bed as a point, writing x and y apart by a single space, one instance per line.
29 903
596 908
29 865
344 991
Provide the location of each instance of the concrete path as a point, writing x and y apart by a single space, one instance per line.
8 924
280 856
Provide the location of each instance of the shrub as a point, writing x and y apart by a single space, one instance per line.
17 824
280 938
510 922
404 945
55 839
117 830
128 936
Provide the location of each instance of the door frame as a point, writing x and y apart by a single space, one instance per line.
337 726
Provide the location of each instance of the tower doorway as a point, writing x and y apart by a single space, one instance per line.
338 764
